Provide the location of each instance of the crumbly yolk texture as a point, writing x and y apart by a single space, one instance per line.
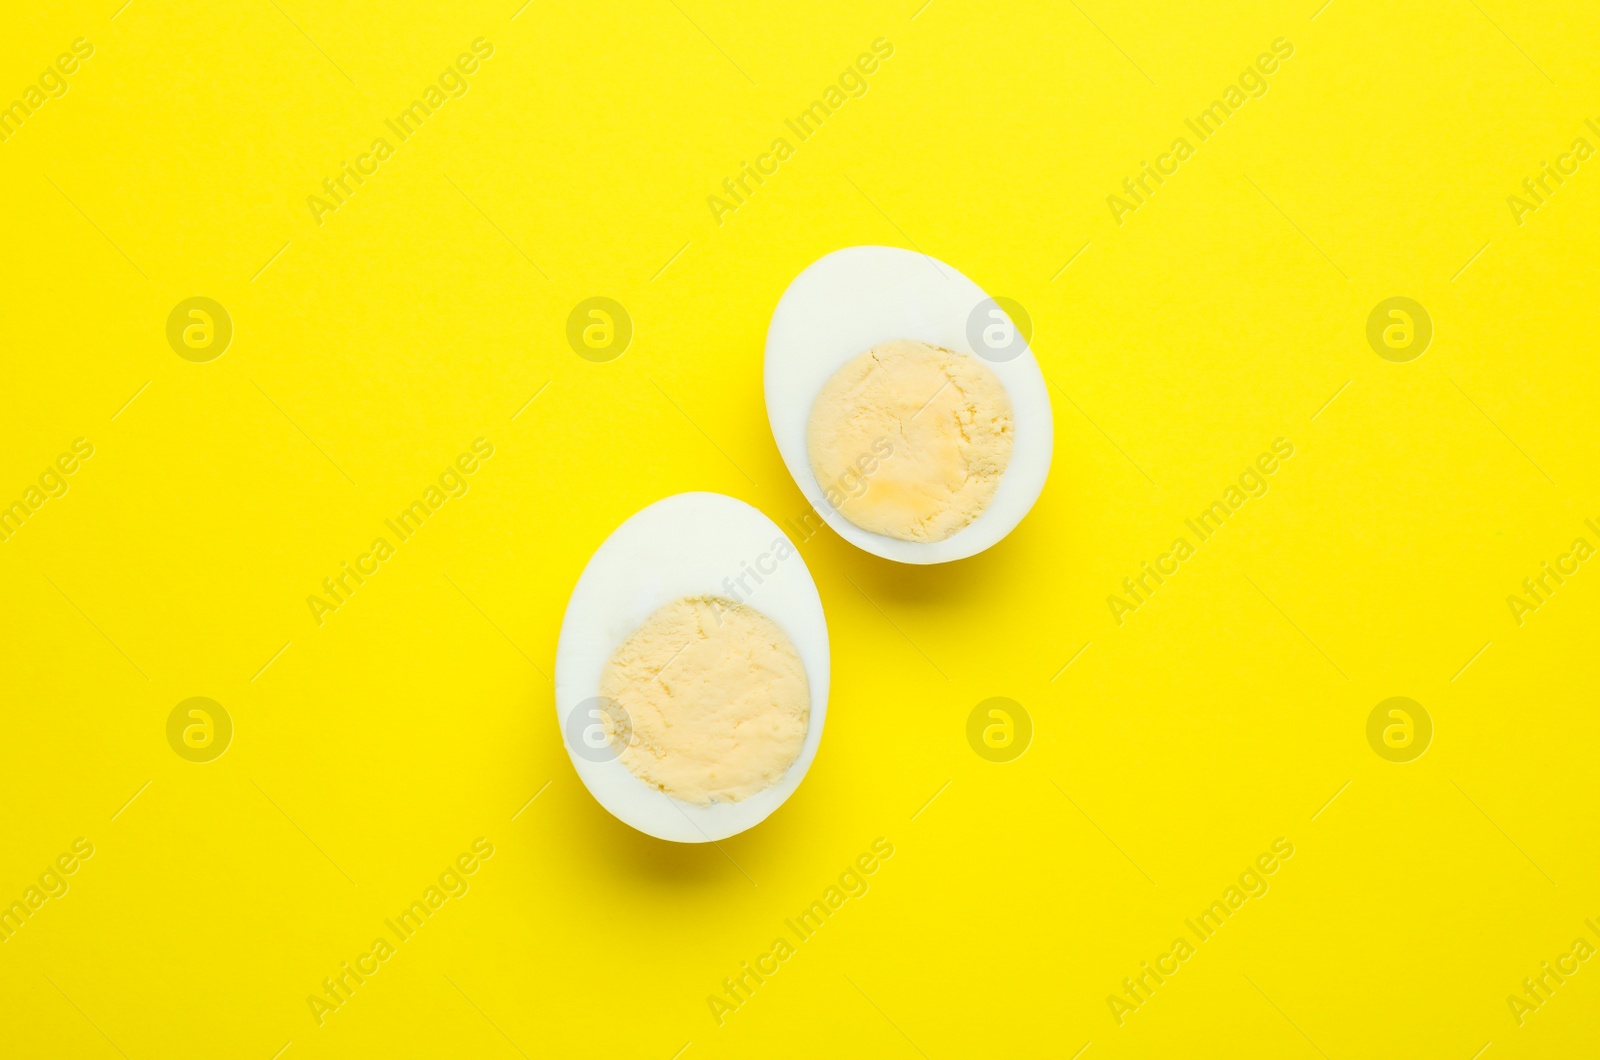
714 700
910 440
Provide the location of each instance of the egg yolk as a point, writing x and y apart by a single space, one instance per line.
708 700
910 440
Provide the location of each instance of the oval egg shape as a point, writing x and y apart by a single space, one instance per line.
687 545
852 300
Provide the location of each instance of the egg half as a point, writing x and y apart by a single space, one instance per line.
691 544
854 299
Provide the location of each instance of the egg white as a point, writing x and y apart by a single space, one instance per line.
686 545
853 299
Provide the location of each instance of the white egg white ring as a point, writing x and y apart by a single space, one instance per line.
845 303
691 544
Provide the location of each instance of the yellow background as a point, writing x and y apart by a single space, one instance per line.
1225 713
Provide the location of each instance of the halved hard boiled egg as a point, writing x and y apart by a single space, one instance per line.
692 669
906 404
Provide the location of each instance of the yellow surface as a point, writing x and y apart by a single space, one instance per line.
369 351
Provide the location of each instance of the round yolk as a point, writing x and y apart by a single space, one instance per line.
910 440
708 700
